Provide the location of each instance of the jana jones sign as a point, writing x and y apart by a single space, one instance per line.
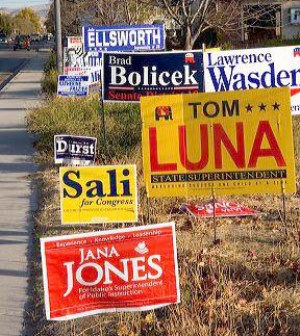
99 194
131 269
254 69
230 143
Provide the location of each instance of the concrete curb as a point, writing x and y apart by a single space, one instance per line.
17 70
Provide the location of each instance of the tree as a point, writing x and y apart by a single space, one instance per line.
6 24
194 17
27 21
75 13
119 11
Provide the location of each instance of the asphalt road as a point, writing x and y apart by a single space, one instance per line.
11 60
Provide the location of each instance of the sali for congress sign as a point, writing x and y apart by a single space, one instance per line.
128 76
229 143
98 194
132 269
124 38
254 69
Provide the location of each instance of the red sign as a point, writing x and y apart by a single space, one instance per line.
223 209
130 269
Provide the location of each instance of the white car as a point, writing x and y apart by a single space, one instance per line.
3 38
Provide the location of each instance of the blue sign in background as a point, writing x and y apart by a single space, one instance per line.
80 86
124 38
128 76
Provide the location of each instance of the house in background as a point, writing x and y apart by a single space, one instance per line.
267 20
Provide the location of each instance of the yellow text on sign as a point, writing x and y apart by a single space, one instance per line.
98 194
229 143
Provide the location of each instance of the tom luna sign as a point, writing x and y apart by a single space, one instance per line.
228 143
132 269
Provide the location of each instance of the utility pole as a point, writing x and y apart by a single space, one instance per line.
58 37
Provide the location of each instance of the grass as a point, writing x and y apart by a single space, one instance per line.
245 285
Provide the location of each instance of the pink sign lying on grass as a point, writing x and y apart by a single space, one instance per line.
223 209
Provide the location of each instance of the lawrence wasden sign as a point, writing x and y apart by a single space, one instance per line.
231 143
132 269
128 76
254 69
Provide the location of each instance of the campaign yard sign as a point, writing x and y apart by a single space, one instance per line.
228 143
133 269
222 209
98 194
77 62
128 76
72 86
254 69
124 38
74 42
76 150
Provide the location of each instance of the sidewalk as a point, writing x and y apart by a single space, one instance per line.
16 197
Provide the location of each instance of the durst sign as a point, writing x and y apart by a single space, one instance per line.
70 149
128 76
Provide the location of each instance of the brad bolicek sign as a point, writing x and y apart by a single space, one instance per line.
229 143
133 269
124 38
128 76
98 194
254 69
77 150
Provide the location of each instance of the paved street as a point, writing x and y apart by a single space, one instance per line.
16 195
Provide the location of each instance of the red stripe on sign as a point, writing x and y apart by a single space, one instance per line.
121 88
295 91
186 87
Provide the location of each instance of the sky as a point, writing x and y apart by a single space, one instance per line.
22 3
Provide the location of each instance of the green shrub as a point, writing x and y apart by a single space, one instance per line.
49 83
81 116
50 64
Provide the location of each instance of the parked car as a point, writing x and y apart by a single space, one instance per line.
35 37
3 38
22 42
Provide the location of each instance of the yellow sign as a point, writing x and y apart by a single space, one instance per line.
99 194
228 143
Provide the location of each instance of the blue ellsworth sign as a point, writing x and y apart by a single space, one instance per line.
77 150
73 86
128 76
124 38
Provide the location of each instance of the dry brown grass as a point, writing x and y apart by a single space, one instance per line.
245 285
